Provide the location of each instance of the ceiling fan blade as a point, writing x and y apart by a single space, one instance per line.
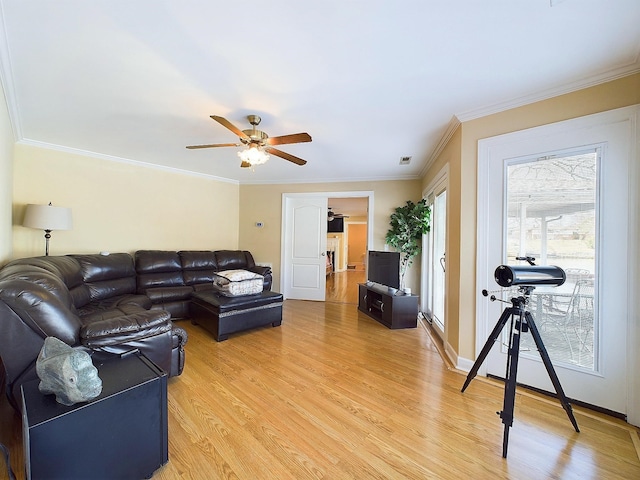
293 138
286 156
227 124
215 145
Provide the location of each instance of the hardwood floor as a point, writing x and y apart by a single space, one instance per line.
334 394
342 287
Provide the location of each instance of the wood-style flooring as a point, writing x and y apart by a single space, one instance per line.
342 287
333 394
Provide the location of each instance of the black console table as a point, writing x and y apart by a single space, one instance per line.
122 433
394 310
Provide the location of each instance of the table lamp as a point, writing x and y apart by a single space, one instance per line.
47 218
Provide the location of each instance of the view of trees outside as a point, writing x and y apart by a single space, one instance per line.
551 211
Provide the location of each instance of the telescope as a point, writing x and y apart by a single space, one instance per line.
510 275
527 277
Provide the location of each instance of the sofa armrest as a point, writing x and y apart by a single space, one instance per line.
266 273
260 270
120 329
40 309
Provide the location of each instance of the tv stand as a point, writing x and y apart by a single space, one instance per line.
392 310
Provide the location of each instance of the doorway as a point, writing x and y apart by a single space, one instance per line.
309 253
347 245
561 193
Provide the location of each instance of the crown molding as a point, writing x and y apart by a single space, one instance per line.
468 115
333 180
112 158
453 125
624 71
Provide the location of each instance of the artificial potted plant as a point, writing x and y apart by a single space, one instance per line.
407 225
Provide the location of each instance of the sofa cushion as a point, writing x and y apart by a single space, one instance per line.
157 268
39 276
198 260
66 269
97 267
120 303
198 266
110 330
152 280
169 294
107 276
231 259
148 261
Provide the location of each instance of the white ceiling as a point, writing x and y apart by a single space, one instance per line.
370 80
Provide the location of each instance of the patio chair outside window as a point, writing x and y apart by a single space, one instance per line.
573 317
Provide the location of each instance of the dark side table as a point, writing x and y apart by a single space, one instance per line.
122 433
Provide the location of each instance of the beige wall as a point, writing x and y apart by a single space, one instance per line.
120 207
357 243
6 179
450 157
264 203
461 155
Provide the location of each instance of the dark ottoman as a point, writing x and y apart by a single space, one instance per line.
224 315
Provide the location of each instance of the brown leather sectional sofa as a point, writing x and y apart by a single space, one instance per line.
105 303
169 278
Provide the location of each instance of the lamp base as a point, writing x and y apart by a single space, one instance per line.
47 236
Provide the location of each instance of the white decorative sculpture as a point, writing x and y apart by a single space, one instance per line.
67 372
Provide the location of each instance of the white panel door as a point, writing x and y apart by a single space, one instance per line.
305 247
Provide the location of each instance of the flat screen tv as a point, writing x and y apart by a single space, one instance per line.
384 268
336 225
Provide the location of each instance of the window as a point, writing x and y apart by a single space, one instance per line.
551 215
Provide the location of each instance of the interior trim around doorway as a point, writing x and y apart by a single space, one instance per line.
347 194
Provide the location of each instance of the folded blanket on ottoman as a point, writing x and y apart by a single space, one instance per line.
235 283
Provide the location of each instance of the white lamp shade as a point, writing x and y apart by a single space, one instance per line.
253 155
47 217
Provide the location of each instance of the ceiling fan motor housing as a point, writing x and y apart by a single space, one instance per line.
255 136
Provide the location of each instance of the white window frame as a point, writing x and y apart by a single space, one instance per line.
439 183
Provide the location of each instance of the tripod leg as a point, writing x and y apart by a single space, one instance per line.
510 381
550 370
487 346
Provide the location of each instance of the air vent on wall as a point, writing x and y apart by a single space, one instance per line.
405 160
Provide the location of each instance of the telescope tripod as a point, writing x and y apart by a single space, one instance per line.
521 321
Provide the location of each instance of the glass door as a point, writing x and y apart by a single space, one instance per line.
435 258
560 193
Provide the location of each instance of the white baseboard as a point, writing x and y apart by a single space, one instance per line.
464 364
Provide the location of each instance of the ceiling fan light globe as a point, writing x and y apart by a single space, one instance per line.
253 156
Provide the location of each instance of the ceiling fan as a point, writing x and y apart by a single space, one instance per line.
258 142
331 215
